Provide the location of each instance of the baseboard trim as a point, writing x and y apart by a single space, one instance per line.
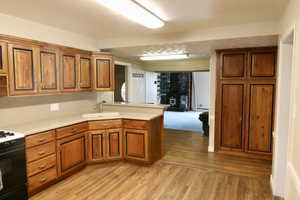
294 176
211 149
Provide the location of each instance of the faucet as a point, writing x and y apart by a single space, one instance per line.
101 105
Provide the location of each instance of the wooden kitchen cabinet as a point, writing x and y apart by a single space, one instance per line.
23 69
85 73
246 82
97 146
71 153
103 67
69 76
136 144
3 58
49 70
105 145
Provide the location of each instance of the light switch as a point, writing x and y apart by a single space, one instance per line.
54 107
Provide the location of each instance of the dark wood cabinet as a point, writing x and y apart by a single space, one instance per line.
246 82
136 144
85 73
261 117
71 153
232 116
233 64
23 69
69 72
49 71
3 58
103 73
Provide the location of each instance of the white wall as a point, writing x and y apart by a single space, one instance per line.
291 19
212 99
151 88
136 86
200 94
31 30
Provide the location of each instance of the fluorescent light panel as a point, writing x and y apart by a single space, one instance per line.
134 12
166 57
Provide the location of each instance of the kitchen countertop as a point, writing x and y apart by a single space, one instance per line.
157 106
50 124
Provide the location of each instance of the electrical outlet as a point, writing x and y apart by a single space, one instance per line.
54 107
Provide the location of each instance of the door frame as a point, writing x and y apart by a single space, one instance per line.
126 65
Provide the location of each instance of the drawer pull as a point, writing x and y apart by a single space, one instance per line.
41 153
42 140
42 167
43 180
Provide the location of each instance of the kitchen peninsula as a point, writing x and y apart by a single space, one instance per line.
57 148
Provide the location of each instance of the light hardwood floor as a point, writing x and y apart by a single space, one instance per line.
187 172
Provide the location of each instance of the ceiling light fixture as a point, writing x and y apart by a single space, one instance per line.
134 11
166 57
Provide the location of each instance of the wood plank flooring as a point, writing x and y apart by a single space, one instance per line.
187 172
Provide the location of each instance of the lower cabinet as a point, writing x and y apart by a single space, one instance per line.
71 153
105 145
136 144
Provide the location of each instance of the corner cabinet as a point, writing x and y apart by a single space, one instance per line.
105 145
136 144
104 69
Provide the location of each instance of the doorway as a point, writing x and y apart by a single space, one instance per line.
120 94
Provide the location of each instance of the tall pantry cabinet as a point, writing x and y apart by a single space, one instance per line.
246 83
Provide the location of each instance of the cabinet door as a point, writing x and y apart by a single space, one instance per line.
85 73
3 58
69 73
114 143
233 64
71 153
136 144
23 71
103 73
232 105
97 145
263 63
261 117
49 62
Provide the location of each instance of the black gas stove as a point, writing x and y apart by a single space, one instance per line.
12 166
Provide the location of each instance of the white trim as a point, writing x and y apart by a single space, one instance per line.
294 176
122 63
211 149
272 184
286 35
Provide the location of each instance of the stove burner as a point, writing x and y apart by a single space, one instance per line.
4 134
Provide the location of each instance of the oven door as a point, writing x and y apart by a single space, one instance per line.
12 169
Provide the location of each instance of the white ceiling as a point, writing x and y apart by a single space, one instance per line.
201 49
89 18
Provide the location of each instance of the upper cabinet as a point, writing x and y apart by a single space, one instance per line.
69 72
49 70
3 58
103 72
233 64
263 63
23 61
29 67
85 72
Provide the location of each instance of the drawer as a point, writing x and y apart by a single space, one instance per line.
38 180
71 130
105 124
40 138
39 152
135 124
40 165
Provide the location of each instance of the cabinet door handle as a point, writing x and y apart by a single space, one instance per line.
41 153
42 166
43 180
